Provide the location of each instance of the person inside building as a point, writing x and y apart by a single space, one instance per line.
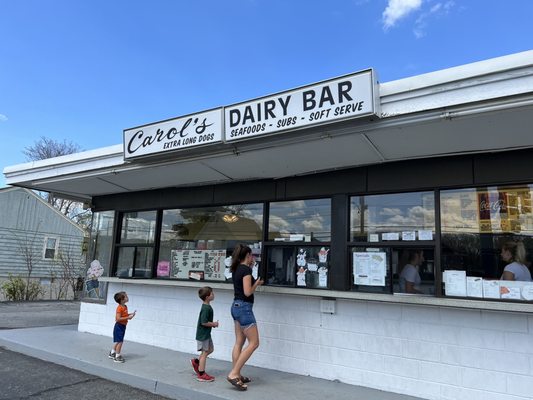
514 254
410 276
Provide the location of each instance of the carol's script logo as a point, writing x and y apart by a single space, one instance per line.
141 140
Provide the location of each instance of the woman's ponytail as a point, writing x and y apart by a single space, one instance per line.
239 254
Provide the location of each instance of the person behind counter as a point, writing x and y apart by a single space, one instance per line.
410 277
514 253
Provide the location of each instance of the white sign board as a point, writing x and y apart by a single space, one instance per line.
347 97
175 134
369 268
198 264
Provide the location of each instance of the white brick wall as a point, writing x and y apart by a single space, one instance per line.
430 352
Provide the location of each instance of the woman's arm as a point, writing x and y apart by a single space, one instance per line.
508 276
410 288
249 289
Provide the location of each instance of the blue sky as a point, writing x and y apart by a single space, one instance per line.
86 70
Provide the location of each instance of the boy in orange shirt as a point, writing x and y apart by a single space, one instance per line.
121 319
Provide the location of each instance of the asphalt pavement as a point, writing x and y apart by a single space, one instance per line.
23 377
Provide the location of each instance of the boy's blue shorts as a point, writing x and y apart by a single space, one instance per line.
118 332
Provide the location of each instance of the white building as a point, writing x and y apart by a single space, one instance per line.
332 185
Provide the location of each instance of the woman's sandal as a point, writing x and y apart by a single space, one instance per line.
245 379
237 383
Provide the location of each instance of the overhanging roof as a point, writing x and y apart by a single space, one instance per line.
481 107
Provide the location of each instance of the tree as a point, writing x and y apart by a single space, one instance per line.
47 148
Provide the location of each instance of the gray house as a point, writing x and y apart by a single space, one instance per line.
35 236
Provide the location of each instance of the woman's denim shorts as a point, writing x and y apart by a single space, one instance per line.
243 313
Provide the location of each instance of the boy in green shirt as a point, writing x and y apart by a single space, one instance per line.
203 334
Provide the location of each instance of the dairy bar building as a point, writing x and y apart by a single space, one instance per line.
378 214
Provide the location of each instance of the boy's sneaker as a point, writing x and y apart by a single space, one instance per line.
118 359
205 378
111 355
195 363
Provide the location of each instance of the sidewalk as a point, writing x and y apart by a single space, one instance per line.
168 373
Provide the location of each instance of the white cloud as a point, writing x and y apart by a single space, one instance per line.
3 118
398 9
437 10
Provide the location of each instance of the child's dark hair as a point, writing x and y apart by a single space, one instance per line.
238 256
204 292
119 297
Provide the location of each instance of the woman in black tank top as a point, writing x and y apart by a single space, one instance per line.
244 286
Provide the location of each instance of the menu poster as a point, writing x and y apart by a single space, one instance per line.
373 237
425 234
491 289
509 292
198 264
390 236
369 269
527 292
474 286
454 283
409 235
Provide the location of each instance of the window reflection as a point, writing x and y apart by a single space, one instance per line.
301 220
136 245
393 217
196 243
476 224
138 227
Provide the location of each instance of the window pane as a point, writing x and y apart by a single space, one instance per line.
402 216
413 270
102 239
134 262
476 224
195 242
138 227
49 253
298 266
301 220
51 243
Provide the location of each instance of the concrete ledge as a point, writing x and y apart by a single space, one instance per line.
423 300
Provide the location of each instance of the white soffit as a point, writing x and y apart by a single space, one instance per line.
496 131
298 158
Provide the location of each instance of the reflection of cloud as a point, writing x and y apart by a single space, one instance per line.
315 224
277 224
416 217
389 211
296 213
398 9
3 118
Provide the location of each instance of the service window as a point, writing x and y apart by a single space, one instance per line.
298 251
487 242
392 243
136 244
197 243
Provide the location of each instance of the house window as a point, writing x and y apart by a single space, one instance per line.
50 248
